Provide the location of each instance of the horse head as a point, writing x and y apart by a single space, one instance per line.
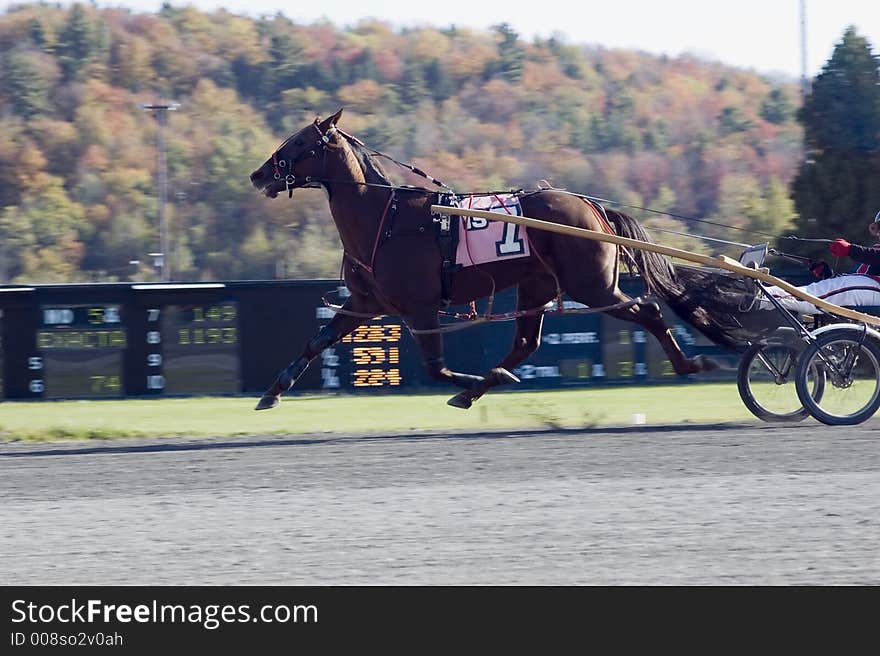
299 161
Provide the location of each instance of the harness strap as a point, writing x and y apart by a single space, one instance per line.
447 239
357 262
392 206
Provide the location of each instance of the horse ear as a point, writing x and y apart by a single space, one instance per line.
331 120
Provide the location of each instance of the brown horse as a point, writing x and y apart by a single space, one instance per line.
392 262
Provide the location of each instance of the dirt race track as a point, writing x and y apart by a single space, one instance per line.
745 504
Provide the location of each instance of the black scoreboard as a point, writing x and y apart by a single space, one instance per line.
142 340
193 349
79 351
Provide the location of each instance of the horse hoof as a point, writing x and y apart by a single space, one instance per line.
502 376
706 363
461 400
267 402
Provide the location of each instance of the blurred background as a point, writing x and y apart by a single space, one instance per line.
123 122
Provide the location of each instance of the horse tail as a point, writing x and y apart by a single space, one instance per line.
657 270
661 278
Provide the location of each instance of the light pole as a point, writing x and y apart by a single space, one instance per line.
805 87
160 111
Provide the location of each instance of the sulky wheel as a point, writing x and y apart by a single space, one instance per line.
766 382
849 356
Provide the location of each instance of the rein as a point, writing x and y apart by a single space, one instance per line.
471 319
771 251
324 144
410 167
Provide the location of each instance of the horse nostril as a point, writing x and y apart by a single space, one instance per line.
256 175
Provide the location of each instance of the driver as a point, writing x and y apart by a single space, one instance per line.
859 288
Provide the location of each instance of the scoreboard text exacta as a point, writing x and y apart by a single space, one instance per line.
63 366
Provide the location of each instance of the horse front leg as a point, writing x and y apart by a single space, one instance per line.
338 327
497 376
530 294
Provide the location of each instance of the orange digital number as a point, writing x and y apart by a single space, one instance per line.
375 333
376 377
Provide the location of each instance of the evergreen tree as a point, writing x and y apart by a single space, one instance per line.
732 120
39 35
777 108
78 42
843 111
511 54
412 88
439 81
278 73
26 86
616 128
836 191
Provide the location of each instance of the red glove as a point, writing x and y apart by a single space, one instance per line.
839 247
821 270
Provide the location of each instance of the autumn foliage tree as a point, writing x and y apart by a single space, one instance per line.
478 110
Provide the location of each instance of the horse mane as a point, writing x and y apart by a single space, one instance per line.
365 158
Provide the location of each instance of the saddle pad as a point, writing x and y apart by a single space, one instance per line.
481 241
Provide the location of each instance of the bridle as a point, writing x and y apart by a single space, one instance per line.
323 143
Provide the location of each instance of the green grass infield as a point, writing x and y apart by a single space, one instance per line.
372 414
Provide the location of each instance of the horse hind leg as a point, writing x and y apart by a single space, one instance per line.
525 342
648 316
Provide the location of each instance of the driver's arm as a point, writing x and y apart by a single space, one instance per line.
866 254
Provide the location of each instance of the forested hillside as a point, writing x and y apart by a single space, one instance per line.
478 110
